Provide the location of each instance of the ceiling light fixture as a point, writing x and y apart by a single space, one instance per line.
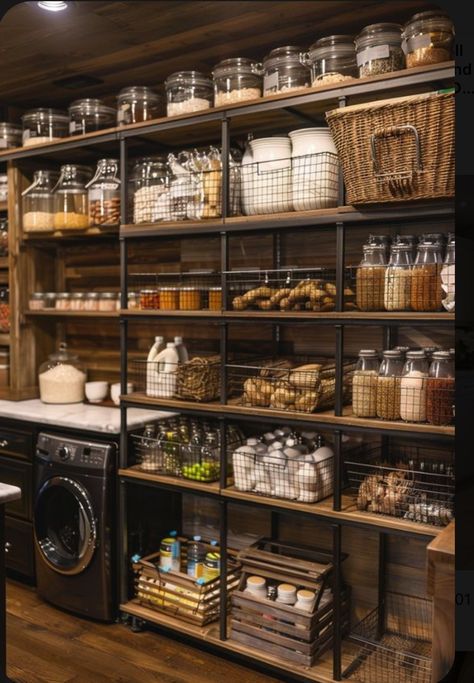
52 6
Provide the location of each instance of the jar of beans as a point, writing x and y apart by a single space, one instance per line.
190 299
440 389
104 194
149 299
388 385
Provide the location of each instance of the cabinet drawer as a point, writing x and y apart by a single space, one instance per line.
18 474
19 547
16 443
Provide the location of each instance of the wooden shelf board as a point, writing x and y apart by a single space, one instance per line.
181 482
88 233
144 313
52 313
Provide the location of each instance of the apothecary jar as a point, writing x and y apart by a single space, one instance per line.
38 202
188 92
70 198
236 80
62 378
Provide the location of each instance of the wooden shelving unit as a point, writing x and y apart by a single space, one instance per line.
71 314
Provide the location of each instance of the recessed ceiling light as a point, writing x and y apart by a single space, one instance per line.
52 6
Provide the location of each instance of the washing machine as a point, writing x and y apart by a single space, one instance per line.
73 524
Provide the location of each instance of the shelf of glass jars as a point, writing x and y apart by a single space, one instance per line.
52 313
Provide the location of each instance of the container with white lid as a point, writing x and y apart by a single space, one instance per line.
379 49
284 69
44 125
90 114
286 593
10 135
187 92
256 585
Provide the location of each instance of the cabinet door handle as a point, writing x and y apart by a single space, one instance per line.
3 443
8 546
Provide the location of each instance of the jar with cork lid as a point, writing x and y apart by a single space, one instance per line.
388 386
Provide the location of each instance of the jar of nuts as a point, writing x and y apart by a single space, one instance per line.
104 194
428 38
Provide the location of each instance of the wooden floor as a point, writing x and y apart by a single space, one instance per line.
46 645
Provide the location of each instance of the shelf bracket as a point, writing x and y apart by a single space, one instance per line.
302 118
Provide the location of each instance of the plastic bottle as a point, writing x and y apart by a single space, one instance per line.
164 378
157 347
175 551
181 349
196 556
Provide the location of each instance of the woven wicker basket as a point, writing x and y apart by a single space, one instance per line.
396 150
198 379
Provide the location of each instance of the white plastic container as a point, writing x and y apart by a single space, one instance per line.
163 373
157 347
315 169
181 350
266 176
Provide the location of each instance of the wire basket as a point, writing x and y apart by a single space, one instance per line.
195 380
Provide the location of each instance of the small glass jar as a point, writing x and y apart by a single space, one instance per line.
190 299
50 300
448 277
88 115
104 194
136 104
169 298
5 310
188 92
133 301
379 49
70 198
91 301
62 378
370 278
3 187
284 69
428 38
77 301
236 80
10 135
3 236
364 384
108 302
38 202
332 60
397 292
215 298
426 280
149 299
63 301
37 301
118 301
440 389
44 125
149 182
388 386
413 387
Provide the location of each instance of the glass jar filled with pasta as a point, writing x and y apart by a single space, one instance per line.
426 281
70 198
364 384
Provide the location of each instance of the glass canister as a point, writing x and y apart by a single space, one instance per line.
62 378
77 301
104 194
38 202
169 298
426 280
63 301
88 115
364 384
370 278
10 135
91 301
440 389
215 298
150 181
237 80
138 103
37 301
379 49
428 38
448 276
188 92
44 125
388 385
70 198
413 387
397 293
3 236
332 60
284 69
108 302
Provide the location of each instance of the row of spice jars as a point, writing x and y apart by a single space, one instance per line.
413 386
75 301
184 298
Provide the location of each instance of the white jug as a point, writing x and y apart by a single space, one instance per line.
266 176
161 377
315 176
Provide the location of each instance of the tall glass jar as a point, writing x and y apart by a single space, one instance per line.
413 387
426 281
62 378
333 60
104 194
149 183
388 386
38 202
448 277
364 384
138 103
237 80
10 135
284 69
397 294
408 240
384 240
379 49
188 92
44 125
89 114
370 278
440 389
428 38
70 198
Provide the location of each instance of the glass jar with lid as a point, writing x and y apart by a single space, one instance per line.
138 103
413 387
190 298
91 301
44 125
62 378
169 298
10 135
188 92
428 38
77 301
150 182
284 69
71 211
90 114
384 240
379 49
397 292
364 384
388 385
104 194
108 302
408 240
440 389
37 301
63 301
38 202
370 278
215 298
237 80
50 300
4 236
448 277
426 280
332 60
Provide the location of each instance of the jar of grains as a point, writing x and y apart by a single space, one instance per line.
379 49
284 69
388 386
38 202
370 278
448 277
63 301
333 60
413 387
237 80
190 299
10 135
149 182
428 38
37 301
44 125
138 103
70 198
397 293
77 301
440 389
149 299
104 194
169 298
90 114
187 92
215 298
407 240
108 302
364 384
62 378
91 302
426 280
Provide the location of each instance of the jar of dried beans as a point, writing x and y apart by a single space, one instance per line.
284 69
104 194
379 49
397 292
370 278
428 38
333 60
388 386
413 387
440 389
237 80
364 384
426 280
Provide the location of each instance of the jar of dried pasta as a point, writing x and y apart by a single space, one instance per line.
397 288
169 298
428 38
190 299
215 298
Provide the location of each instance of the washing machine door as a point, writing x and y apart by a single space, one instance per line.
65 527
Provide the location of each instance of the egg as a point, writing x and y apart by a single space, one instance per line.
275 446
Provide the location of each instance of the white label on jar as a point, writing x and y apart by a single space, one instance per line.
72 126
370 53
419 41
121 113
96 192
95 195
270 83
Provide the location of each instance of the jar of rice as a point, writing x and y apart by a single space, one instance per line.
62 378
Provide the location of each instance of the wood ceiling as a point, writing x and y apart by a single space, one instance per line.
141 43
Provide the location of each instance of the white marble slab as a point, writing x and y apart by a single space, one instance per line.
9 493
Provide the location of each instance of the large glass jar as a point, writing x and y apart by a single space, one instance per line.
379 49
88 115
397 294
332 60
38 202
137 103
428 38
44 125
149 183
388 386
70 198
413 387
370 278
284 69
3 236
10 135
426 280
448 277
364 384
187 92
62 378
236 80
440 389
104 194
408 240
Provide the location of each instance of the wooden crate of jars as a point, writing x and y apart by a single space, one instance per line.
291 634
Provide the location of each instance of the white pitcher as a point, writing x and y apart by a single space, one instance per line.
315 175
266 176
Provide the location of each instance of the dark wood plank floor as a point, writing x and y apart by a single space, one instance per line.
46 645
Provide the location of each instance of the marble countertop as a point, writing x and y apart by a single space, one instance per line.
9 493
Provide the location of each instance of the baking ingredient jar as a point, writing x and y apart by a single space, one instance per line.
215 298
149 299
284 69
305 600
370 278
286 593
44 125
77 301
149 182
63 301
212 566
448 277
315 169
37 301
332 60
379 49
3 187
237 80
91 301
10 135
364 384
70 198
388 385
108 302
104 194
428 38
3 236
38 202
426 281
138 103
62 378
88 115
413 387
188 92
440 389
169 298
190 299
256 586
397 288
267 176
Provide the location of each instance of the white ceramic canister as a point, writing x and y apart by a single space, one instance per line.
266 176
315 175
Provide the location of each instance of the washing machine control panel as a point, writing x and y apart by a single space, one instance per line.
75 453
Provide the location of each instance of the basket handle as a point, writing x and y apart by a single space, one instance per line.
388 132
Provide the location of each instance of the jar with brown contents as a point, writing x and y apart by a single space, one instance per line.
104 194
397 295
426 280
169 299
370 278
70 198
440 389
149 299
428 38
215 298
388 386
190 299
364 384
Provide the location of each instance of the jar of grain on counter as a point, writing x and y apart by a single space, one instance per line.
426 281
332 60
37 301
397 292
62 378
388 386
38 202
88 115
428 38
440 389
364 384
370 278
285 69
70 198
188 92
237 80
413 387
190 299
44 125
379 49
215 298
104 194
136 104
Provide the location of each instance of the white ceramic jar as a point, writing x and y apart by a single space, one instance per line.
266 176
315 173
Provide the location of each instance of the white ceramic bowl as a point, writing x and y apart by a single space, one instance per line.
96 391
115 392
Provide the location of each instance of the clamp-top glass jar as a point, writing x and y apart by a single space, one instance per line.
89 114
70 198
62 378
149 182
10 135
188 92
38 202
426 281
104 194
413 387
428 38
237 80
397 294
332 60
379 49
44 125
137 103
284 69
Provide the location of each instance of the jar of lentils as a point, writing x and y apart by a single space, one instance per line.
379 49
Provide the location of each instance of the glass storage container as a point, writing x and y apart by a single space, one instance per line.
37 301
108 302
10 135
440 389
138 103
413 387
38 202
3 236
187 92
3 187
384 240
169 298
426 280
88 115
364 384
63 301
448 276
215 298
133 301
284 69
379 49
149 299
77 301
44 125
50 300
388 386
190 299
104 194
91 301
332 60
70 198
237 80
428 38
408 240
62 378
4 309
370 278
149 181
397 293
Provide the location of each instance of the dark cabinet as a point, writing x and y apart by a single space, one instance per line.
19 548
18 474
